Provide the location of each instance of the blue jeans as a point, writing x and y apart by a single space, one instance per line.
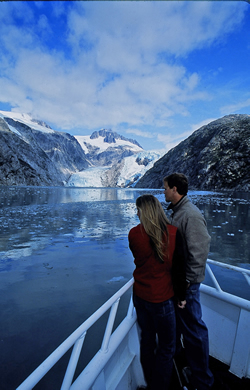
158 339
195 337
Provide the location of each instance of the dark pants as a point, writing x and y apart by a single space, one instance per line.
158 338
195 336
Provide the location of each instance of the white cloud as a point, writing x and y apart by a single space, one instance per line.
233 108
172 139
140 133
151 27
119 63
43 25
205 122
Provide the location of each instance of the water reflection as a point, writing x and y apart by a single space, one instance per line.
21 196
228 224
33 217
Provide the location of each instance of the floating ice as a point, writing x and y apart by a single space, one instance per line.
116 279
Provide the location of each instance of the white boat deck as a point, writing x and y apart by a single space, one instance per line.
116 365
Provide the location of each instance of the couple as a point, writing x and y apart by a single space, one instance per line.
170 262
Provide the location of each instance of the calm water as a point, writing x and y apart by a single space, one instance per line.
64 252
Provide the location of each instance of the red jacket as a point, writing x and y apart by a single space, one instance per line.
156 281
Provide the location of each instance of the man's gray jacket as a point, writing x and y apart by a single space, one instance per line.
192 225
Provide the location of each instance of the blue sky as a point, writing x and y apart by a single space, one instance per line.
154 71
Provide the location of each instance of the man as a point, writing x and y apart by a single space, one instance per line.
192 225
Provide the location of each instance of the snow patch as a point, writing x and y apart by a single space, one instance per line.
26 119
103 146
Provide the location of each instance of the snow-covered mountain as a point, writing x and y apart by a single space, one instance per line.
103 139
116 161
106 148
31 153
27 120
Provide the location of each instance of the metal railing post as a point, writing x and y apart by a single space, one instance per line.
68 377
109 327
130 308
211 274
247 277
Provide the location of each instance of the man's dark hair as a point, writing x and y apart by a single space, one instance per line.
179 181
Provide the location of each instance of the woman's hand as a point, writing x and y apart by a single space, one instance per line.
182 304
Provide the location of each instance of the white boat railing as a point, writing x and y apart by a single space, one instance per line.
227 317
76 339
243 271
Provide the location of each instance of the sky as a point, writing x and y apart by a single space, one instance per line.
153 71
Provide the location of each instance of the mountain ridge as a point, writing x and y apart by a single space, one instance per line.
111 137
27 152
32 153
214 157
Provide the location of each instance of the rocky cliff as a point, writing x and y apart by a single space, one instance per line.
33 157
214 157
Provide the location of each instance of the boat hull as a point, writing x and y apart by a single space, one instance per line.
228 320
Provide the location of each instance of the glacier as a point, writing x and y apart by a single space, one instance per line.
124 174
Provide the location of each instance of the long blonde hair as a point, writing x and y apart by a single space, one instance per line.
155 222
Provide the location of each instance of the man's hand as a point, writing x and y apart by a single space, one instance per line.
182 304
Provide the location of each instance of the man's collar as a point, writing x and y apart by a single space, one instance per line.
171 206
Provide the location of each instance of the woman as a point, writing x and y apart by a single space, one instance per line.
159 276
